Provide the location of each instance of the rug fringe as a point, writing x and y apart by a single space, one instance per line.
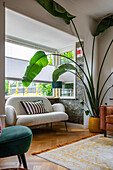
67 143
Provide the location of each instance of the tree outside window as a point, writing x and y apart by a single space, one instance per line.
69 54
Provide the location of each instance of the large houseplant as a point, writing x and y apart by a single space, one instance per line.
39 60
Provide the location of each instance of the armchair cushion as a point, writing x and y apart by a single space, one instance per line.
15 140
106 117
109 119
109 110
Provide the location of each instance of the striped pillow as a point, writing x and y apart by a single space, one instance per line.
0 127
33 107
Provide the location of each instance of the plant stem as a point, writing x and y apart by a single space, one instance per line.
81 47
92 58
98 81
105 94
104 84
76 64
88 93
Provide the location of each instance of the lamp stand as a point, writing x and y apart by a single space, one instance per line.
57 93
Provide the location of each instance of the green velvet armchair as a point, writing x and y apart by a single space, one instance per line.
15 140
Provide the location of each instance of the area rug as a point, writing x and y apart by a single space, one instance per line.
94 153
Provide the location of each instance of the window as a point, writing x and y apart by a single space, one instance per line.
69 54
16 88
68 79
50 59
45 89
17 59
67 90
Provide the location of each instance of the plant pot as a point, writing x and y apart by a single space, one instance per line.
94 124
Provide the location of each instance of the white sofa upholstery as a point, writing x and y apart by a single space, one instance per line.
16 115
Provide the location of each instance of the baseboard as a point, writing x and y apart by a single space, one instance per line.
85 126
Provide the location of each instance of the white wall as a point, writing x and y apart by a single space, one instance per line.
2 59
104 41
84 23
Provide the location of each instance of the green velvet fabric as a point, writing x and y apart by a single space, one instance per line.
15 140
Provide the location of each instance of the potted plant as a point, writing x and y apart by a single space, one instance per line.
39 60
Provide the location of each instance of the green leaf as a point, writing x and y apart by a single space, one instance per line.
61 70
55 9
104 24
37 62
87 112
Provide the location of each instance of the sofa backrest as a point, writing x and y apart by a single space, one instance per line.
15 102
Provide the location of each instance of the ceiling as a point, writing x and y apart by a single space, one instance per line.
94 8
25 28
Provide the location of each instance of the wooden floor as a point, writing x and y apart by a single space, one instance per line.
44 138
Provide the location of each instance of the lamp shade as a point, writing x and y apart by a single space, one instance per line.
56 84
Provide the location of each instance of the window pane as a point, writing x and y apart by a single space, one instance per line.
16 88
67 89
45 89
69 54
50 59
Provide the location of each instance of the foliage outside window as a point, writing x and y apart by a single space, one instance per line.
50 60
16 88
69 54
46 89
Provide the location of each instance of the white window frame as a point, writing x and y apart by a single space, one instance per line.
63 50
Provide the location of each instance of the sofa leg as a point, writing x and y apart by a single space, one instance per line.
51 124
105 133
24 160
19 158
66 126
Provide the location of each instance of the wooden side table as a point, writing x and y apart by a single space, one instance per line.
2 117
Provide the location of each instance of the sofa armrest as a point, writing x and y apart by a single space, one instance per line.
102 118
58 107
11 115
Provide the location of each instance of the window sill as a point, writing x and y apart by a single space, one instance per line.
69 98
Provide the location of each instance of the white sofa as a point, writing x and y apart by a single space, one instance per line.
16 115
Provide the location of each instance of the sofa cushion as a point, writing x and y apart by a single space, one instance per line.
34 107
37 119
109 119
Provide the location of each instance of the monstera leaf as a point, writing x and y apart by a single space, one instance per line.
104 24
61 70
55 9
37 62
